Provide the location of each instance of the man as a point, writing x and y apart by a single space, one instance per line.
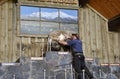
78 58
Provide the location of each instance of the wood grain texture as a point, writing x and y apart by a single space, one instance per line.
93 31
108 8
95 36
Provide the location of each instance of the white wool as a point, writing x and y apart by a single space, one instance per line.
61 37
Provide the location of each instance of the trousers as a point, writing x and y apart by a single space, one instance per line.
78 63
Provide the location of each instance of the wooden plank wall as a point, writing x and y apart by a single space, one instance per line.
12 45
0 28
33 46
6 31
8 46
96 37
114 44
93 31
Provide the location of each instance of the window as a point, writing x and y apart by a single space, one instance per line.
39 20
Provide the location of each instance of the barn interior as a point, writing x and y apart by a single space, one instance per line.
29 30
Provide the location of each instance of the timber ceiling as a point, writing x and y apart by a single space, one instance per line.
110 9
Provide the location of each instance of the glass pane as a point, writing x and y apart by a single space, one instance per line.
48 27
68 16
73 28
49 14
29 13
30 27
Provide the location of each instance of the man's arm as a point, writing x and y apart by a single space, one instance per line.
63 42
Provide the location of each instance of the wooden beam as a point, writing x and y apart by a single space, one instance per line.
48 5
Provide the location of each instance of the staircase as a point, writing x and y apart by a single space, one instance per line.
55 65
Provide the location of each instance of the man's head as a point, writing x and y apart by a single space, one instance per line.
75 36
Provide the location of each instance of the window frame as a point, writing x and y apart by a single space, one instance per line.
41 35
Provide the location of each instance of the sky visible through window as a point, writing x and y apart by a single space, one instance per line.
48 12
64 18
28 10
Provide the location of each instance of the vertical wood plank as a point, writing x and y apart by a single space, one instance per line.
3 33
104 41
82 29
0 33
7 52
84 32
93 33
29 46
116 50
98 39
25 43
87 32
10 35
111 46
119 45
33 47
15 45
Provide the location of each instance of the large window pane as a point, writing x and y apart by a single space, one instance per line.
69 16
49 14
30 27
29 13
73 28
39 20
48 27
